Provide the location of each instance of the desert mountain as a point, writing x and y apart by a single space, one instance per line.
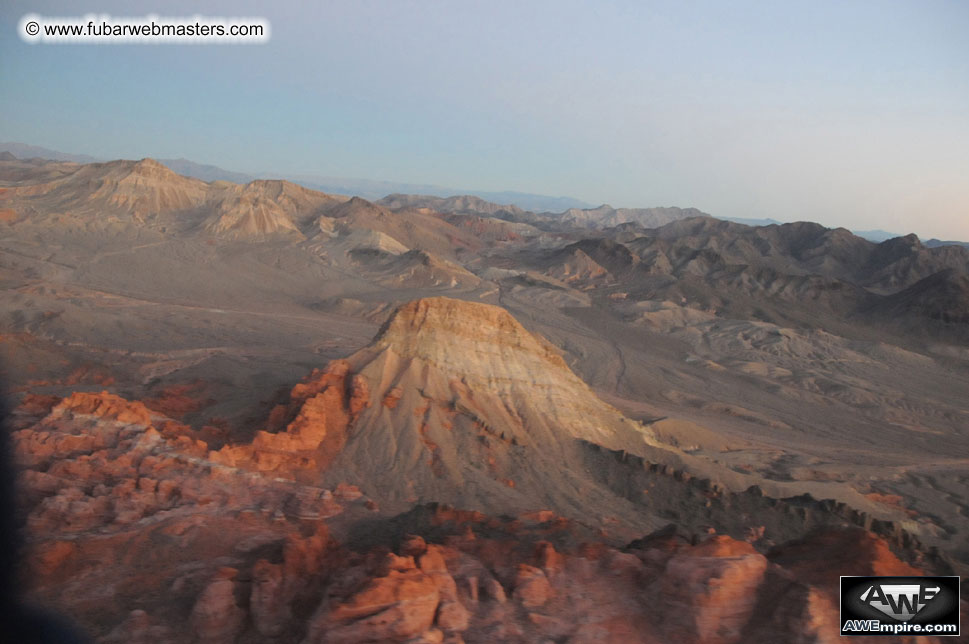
24 172
136 190
491 230
810 248
264 208
942 297
605 216
456 402
366 188
464 204
413 229
572 264
465 406
800 274
413 268
933 243
147 193
612 256
26 151
489 222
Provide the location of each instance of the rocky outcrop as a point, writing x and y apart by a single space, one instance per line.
394 607
245 565
316 419
663 589
711 591
268 603
106 406
125 501
531 587
216 619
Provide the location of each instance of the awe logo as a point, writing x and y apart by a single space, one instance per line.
900 606
901 601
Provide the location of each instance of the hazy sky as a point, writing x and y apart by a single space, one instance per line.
847 113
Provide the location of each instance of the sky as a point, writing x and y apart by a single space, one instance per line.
848 113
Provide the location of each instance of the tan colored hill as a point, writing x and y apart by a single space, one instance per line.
490 229
412 269
264 208
249 217
147 193
363 239
577 266
482 362
142 188
463 405
14 171
135 190
413 229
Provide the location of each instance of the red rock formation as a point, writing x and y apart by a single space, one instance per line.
392 397
359 395
452 616
531 587
118 499
106 406
294 583
303 558
317 417
216 619
711 590
268 602
395 607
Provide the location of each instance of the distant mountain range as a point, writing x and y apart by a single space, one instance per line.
935 243
374 190
25 151
393 194
879 236
366 188
206 172
782 273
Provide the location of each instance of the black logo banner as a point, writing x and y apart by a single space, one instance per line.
900 606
